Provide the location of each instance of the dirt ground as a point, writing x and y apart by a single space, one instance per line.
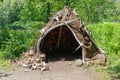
60 70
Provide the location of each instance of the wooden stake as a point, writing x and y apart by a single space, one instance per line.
59 37
83 55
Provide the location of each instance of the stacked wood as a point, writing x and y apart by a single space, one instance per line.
34 61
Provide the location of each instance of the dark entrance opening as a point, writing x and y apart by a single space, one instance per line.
59 44
62 53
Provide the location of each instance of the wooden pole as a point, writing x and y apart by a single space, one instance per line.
58 45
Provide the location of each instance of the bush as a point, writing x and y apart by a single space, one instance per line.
107 36
16 41
29 24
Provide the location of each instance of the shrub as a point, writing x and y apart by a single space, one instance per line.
107 36
16 41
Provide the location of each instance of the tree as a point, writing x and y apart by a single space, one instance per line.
10 10
93 10
1 0
33 11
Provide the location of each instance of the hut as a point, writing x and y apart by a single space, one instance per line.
66 32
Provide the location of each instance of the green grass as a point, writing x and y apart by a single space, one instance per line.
107 36
4 64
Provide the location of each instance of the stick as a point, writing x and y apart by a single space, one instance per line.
59 37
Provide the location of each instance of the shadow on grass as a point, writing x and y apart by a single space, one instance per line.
115 72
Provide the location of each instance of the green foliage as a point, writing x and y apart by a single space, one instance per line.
16 42
34 11
29 24
1 0
107 37
116 14
90 10
93 10
9 11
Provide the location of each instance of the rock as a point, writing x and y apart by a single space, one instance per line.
43 57
63 59
25 70
43 63
78 62
89 63
34 62
25 66
45 68
100 59
38 60
25 54
70 63
34 67
29 65
87 59
29 61
31 53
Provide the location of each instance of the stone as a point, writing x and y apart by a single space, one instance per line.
34 62
43 69
31 53
89 63
38 60
43 57
87 59
78 62
25 66
34 67
100 59
25 70
63 59
70 63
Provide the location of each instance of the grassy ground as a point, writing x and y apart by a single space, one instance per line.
4 63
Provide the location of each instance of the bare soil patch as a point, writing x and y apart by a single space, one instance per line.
60 70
